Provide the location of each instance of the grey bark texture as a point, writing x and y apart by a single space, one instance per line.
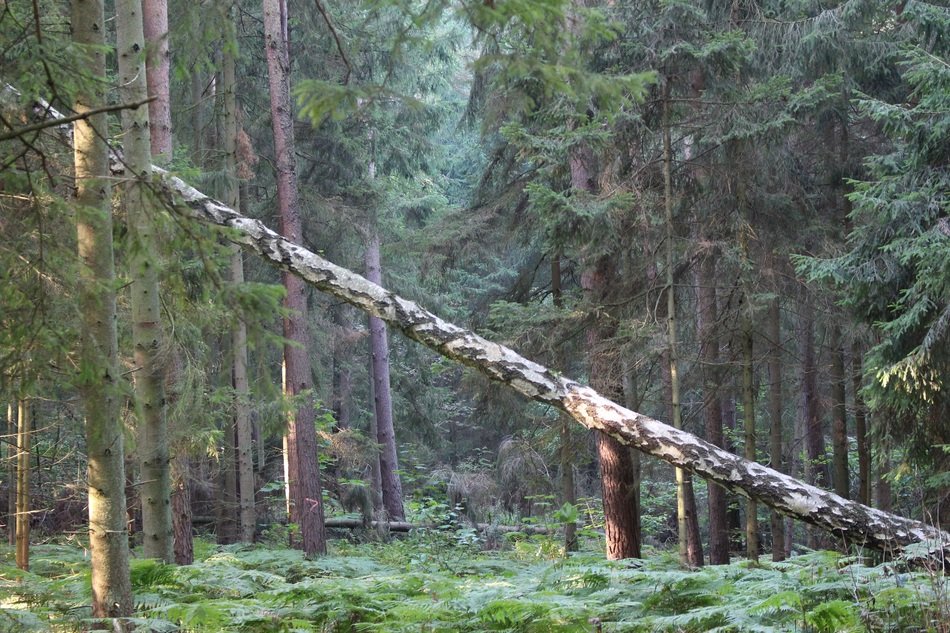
147 338
846 519
98 357
382 394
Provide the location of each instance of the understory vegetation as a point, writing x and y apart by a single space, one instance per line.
446 581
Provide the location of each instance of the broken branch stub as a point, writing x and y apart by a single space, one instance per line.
845 519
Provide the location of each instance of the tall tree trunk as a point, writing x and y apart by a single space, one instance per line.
884 493
382 394
617 477
815 470
155 489
23 436
303 464
568 487
847 519
181 511
748 414
11 473
775 415
839 420
157 63
616 470
98 376
712 403
860 426
232 197
227 525
687 522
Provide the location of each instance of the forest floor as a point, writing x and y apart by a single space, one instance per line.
446 581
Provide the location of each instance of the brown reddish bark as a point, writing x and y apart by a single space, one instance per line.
23 436
155 27
301 438
11 474
712 404
617 477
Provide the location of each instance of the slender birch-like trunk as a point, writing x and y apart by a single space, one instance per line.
860 426
748 415
232 197
23 436
568 488
147 337
11 473
689 546
712 403
391 486
775 415
301 437
98 376
839 420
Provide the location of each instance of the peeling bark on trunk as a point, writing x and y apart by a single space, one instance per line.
846 519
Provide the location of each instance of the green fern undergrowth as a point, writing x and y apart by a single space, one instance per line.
440 582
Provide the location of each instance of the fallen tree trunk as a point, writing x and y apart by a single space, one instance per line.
848 520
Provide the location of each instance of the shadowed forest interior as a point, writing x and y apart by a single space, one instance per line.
728 222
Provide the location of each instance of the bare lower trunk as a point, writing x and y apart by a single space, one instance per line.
815 469
712 405
618 483
382 395
147 338
181 512
23 436
860 427
568 487
775 415
302 451
686 520
748 414
847 519
11 473
839 420
99 382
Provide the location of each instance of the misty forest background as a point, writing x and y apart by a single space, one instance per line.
731 216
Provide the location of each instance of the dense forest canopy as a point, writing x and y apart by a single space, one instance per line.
733 217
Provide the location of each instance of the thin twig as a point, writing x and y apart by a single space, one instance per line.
336 38
42 125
